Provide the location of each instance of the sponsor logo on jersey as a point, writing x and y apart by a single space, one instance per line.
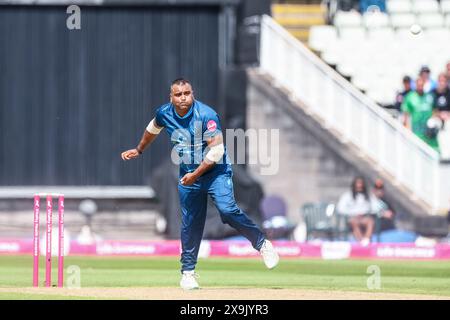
211 125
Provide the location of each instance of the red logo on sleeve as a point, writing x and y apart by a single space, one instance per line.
211 125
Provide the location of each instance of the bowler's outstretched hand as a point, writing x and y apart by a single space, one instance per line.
130 154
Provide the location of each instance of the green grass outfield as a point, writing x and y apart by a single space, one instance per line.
407 277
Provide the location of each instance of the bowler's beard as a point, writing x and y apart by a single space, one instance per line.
184 106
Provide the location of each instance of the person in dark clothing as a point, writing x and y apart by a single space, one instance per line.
429 84
401 95
386 213
442 95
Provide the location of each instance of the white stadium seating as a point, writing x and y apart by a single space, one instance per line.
381 35
403 20
447 21
376 20
376 50
399 6
430 20
426 6
437 34
445 6
347 19
355 34
322 36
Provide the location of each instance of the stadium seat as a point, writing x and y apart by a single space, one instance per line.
352 34
399 6
276 225
347 19
319 220
403 20
381 95
331 57
447 21
445 6
383 87
321 36
351 64
428 6
376 20
431 20
360 82
381 36
336 53
346 69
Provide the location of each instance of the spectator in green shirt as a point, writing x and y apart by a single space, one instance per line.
418 108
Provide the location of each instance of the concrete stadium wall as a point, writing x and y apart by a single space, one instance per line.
314 166
308 171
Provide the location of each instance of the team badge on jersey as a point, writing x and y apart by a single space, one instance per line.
211 126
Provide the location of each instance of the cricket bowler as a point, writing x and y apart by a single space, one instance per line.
205 169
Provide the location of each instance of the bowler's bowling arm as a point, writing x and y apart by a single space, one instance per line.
146 140
150 134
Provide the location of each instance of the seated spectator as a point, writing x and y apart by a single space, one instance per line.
442 111
407 87
418 108
384 210
347 5
441 94
365 5
358 205
428 83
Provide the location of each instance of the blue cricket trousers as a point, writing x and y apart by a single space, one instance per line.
193 200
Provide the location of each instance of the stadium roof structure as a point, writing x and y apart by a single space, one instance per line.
121 2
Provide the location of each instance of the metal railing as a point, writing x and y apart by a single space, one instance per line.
355 117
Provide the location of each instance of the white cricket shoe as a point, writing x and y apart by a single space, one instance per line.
270 256
188 280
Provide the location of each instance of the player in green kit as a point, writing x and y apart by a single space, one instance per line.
418 105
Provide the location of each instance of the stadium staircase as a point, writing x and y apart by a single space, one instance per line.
299 18
330 131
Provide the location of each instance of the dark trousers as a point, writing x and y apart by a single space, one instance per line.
193 200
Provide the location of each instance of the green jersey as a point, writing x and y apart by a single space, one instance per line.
420 108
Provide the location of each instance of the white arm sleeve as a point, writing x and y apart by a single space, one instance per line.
215 153
152 128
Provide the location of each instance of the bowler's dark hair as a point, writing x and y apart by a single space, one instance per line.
180 82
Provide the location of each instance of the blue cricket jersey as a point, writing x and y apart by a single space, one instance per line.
188 135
